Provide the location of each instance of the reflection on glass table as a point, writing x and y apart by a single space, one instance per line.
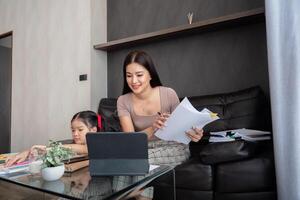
80 185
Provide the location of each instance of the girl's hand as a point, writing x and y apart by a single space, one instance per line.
38 148
160 120
36 151
20 157
195 134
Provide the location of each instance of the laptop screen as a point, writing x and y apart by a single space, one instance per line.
107 145
117 153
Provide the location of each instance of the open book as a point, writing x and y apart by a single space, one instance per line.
244 134
22 166
183 118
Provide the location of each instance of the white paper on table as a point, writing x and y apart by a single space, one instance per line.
152 167
183 118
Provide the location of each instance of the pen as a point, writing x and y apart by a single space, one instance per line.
214 135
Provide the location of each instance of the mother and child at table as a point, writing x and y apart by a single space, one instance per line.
144 107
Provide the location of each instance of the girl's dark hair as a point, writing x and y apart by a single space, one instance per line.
145 60
89 118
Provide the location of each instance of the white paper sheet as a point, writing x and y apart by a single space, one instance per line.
183 118
152 167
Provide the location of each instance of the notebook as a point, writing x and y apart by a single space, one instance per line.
117 153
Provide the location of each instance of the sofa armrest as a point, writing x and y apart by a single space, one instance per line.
214 153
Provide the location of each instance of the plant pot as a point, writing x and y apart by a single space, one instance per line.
53 173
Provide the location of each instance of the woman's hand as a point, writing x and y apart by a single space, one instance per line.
195 134
160 121
20 157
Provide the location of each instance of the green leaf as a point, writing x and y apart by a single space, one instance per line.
55 154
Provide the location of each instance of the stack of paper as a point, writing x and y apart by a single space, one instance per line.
72 167
244 134
76 162
76 158
184 117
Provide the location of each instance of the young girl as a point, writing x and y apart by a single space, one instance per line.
145 106
81 123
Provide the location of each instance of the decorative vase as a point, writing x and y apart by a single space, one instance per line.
35 167
53 173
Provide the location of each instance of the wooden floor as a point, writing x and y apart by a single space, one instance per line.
10 191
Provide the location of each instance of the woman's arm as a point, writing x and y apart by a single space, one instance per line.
127 124
77 148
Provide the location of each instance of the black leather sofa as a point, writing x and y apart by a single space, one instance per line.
220 171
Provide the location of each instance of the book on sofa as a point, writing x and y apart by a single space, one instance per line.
236 134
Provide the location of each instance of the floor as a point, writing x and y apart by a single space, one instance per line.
15 192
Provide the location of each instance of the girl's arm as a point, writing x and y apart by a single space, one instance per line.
24 155
77 148
20 157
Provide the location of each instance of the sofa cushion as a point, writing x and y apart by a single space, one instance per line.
241 109
108 111
194 175
219 152
265 195
190 175
166 193
251 175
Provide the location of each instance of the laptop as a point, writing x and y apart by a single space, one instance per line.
117 153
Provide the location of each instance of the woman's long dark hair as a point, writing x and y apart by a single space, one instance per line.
145 60
89 118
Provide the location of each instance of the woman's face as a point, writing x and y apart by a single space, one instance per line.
79 130
138 78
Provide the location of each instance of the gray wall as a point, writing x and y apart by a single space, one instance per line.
206 63
5 98
52 46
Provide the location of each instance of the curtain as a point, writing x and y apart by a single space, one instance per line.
283 41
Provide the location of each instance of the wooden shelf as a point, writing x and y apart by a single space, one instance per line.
245 17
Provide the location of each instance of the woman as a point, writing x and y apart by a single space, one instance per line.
145 106
81 123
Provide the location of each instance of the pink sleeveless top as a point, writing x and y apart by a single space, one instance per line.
168 102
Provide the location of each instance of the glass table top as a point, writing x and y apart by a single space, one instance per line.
80 185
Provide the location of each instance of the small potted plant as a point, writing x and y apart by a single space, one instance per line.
53 167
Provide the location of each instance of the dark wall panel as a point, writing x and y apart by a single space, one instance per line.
5 98
207 63
133 17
